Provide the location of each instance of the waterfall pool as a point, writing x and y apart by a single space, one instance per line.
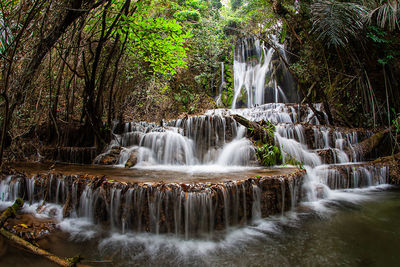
356 227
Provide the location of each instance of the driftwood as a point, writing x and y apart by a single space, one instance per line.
256 131
35 250
10 212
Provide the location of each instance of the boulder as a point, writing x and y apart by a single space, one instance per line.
133 159
110 157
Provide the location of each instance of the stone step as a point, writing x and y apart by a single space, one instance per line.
274 113
332 156
183 208
322 137
359 175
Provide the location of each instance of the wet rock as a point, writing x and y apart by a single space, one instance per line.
393 163
327 155
111 157
191 209
133 159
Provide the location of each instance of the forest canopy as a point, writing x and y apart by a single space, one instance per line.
71 66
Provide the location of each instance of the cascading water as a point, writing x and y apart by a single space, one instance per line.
202 140
192 210
186 210
258 75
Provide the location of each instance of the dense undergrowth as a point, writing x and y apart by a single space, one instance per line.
71 68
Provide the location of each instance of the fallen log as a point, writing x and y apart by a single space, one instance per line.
367 146
257 131
11 211
35 250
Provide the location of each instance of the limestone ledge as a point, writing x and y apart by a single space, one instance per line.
194 207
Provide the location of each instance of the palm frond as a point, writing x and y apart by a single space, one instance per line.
387 14
337 22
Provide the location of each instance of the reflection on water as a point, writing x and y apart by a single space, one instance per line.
354 227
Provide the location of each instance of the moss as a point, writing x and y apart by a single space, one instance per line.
11 211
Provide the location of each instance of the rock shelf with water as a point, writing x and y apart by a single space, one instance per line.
187 205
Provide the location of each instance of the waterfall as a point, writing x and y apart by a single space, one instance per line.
211 139
256 74
197 208
192 210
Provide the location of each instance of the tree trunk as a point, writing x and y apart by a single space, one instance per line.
367 146
255 130
11 211
4 125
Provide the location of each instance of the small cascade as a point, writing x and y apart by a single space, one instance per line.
115 205
256 207
86 203
126 213
315 144
351 176
9 189
274 113
184 210
198 140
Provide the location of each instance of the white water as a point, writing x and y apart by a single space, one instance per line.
203 145
210 143
255 74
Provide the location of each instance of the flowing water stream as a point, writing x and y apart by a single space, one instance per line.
341 214
358 229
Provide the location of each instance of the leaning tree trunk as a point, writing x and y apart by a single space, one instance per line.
4 126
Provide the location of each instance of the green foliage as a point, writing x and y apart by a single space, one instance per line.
268 155
283 32
396 130
188 15
396 122
292 161
269 128
186 98
208 44
236 4
199 5
227 97
216 4
158 41
7 28
233 25
376 34
337 22
384 42
5 37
